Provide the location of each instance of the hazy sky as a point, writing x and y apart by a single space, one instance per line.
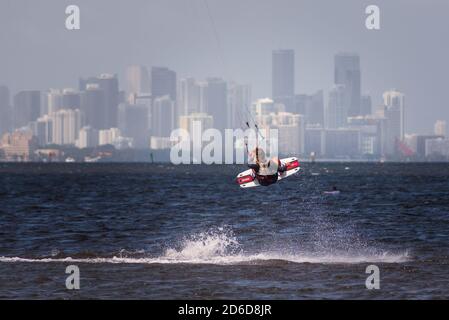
410 52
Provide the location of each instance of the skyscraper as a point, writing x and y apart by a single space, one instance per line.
395 119
70 99
188 96
137 79
93 105
133 123
239 99
5 110
54 100
370 128
291 130
315 115
347 73
43 129
108 83
87 138
202 96
283 78
66 126
301 101
27 107
365 105
162 116
217 102
163 82
336 115
312 107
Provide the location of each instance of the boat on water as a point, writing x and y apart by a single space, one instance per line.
92 159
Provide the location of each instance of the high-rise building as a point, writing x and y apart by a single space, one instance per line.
301 101
311 106
315 111
66 126
347 73
202 96
147 101
5 110
93 105
108 83
163 82
133 123
70 99
42 128
54 100
162 116
440 128
239 102
290 127
336 113
291 133
217 102
370 129
27 107
88 138
62 99
283 78
365 105
394 113
137 79
188 97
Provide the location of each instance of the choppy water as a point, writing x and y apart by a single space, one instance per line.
189 232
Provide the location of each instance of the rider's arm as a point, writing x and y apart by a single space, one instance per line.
281 168
254 166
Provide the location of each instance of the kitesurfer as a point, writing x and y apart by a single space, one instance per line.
266 170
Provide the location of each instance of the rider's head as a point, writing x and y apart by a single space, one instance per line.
259 155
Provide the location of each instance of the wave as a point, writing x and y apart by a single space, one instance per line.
220 247
259 258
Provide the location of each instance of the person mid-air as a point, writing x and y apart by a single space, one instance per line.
266 170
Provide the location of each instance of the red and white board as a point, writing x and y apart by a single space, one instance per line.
247 178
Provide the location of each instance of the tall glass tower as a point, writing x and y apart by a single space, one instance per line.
283 78
347 73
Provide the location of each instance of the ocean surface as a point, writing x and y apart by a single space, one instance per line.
158 231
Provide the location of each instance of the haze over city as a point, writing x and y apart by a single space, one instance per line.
408 52
127 75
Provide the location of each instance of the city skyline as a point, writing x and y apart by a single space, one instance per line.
174 88
121 86
238 52
100 112
138 105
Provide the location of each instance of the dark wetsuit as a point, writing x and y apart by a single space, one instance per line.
266 180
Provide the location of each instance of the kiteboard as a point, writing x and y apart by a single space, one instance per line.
247 178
